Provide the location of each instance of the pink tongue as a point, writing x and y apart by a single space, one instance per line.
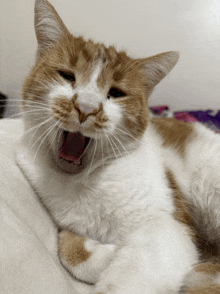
73 147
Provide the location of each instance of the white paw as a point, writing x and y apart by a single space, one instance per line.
84 258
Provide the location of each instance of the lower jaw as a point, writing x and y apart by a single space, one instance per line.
76 163
70 167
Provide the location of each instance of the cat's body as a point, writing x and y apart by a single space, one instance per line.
129 178
88 205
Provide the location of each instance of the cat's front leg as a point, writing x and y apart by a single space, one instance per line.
152 260
84 258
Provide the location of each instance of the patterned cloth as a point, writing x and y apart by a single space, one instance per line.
211 118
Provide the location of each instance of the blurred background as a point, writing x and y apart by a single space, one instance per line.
142 27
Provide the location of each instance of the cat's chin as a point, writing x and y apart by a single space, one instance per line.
70 167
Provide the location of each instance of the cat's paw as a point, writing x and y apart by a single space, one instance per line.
84 258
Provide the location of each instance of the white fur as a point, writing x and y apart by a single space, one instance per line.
89 271
198 177
126 203
122 197
89 97
64 89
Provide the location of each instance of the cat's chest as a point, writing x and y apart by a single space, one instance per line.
103 209
110 204
111 201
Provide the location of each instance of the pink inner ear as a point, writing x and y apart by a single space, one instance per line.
73 147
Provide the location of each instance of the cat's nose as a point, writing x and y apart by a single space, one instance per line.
85 109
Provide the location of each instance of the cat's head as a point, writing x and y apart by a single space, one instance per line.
87 99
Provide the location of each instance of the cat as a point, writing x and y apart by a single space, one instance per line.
136 198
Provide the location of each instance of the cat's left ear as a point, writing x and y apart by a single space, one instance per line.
155 68
49 27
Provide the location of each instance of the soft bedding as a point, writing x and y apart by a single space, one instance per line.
28 238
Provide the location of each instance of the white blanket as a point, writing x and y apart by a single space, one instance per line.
28 238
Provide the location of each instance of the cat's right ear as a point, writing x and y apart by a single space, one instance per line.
49 27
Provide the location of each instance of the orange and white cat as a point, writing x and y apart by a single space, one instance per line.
134 197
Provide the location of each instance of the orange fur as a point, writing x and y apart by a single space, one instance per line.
175 133
135 77
209 268
60 51
206 289
182 213
71 248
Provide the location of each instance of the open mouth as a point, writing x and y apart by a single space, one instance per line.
73 147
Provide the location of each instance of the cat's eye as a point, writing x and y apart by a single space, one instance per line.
115 93
67 76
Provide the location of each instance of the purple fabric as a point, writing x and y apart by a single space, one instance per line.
211 118
208 117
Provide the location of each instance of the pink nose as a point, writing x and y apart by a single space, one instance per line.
85 110
85 107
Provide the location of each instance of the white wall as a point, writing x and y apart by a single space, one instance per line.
143 27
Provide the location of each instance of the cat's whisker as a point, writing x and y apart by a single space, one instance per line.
123 137
5 103
39 138
21 108
34 133
113 141
94 151
37 128
52 141
56 134
112 134
35 103
36 108
61 131
85 149
127 133
119 141
107 144
102 151
109 140
29 111
29 107
41 118
49 130
12 100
